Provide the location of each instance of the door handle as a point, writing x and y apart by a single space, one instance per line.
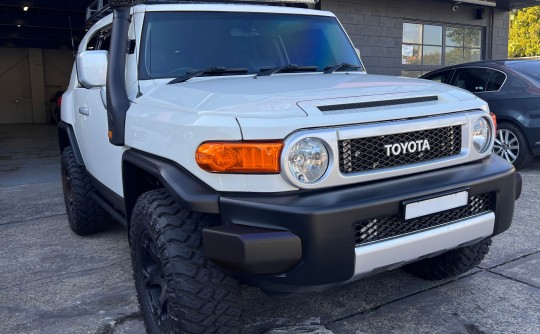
84 111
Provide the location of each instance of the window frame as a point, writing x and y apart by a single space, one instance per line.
488 80
424 69
99 35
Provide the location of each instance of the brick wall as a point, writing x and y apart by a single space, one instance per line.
376 27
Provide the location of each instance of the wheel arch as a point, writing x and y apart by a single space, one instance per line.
514 122
66 137
142 172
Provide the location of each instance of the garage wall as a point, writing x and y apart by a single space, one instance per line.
376 27
57 68
15 90
28 78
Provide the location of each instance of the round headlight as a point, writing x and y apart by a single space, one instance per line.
481 134
308 160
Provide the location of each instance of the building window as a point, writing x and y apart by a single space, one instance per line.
427 47
463 45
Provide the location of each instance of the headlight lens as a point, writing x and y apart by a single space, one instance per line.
481 134
308 160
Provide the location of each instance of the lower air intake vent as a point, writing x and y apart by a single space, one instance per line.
387 227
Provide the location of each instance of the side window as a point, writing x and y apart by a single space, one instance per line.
100 40
496 81
472 79
442 77
92 43
105 40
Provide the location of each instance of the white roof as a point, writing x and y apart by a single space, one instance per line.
228 7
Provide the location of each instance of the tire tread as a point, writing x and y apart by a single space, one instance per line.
85 216
202 298
452 263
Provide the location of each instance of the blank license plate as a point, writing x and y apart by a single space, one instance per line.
437 204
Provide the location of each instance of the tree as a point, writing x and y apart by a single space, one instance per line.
524 39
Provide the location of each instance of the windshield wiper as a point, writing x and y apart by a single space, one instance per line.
286 68
209 70
342 66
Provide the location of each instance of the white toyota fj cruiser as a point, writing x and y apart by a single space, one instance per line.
245 143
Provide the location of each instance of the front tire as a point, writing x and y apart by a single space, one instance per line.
179 289
85 216
511 144
452 263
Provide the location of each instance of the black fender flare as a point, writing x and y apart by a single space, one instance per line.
189 191
66 137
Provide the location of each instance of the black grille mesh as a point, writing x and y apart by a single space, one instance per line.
392 226
364 154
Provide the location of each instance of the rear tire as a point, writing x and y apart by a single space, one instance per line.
85 216
511 145
451 263
179 289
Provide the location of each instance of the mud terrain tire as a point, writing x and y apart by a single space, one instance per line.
179 289
451 263
85 216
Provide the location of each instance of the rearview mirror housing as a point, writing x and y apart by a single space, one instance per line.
92 68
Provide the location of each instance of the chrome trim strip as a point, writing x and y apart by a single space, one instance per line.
396 252
331 137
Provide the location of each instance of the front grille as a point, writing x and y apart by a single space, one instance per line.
365 154
394 226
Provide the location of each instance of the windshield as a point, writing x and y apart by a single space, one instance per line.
529 69
175 43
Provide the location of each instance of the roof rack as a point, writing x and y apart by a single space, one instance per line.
101 8
97 10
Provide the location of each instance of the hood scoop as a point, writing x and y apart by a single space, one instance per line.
375 105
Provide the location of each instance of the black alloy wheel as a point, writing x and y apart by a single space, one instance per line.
154 282
178 288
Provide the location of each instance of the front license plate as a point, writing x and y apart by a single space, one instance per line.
429 206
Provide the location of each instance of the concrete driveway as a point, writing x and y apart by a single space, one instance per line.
52 281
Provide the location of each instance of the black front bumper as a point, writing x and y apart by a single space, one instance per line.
308 237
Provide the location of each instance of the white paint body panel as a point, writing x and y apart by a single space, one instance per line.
171 121
284 106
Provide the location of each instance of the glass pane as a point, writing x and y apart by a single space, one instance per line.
454 36
433 35
239 40
411 54
472 79
453 56
440 76
529 69
473 38
472 55
412 33
496 81
411 74
432 55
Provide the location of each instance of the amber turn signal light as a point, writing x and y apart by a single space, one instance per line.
494 118
240 157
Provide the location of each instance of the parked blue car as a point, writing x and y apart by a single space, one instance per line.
512 90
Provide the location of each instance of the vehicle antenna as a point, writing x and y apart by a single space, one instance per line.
71 33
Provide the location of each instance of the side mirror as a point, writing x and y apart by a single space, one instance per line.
92 68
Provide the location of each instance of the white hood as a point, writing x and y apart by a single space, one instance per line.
281 95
